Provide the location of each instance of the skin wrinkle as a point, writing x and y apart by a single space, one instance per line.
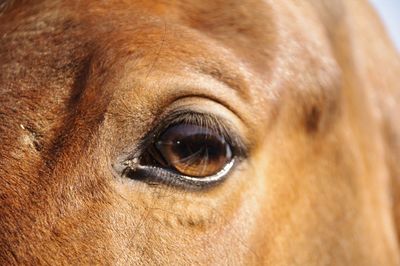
153 209
159 50
308 85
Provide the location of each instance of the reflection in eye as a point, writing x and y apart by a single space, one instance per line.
193 150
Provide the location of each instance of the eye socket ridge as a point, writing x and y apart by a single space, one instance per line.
150 165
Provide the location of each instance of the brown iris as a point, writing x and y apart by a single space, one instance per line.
194 150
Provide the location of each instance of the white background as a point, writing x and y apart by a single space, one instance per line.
389 11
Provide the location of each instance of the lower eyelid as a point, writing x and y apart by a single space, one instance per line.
152 174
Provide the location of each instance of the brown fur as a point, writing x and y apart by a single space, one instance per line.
313 87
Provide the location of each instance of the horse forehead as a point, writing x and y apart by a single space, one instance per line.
244 48
246 40
253 30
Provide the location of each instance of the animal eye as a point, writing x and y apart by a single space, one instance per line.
193 150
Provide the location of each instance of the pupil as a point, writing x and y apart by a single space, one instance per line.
199 145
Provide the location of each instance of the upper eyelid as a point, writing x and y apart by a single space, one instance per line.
213 122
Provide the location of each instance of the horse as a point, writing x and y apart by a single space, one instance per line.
153 132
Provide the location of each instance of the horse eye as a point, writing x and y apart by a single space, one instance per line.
193 150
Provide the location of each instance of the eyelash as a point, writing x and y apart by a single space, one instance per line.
161 175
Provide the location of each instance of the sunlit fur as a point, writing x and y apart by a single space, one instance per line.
312 86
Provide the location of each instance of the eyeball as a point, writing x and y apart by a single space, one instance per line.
193 150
